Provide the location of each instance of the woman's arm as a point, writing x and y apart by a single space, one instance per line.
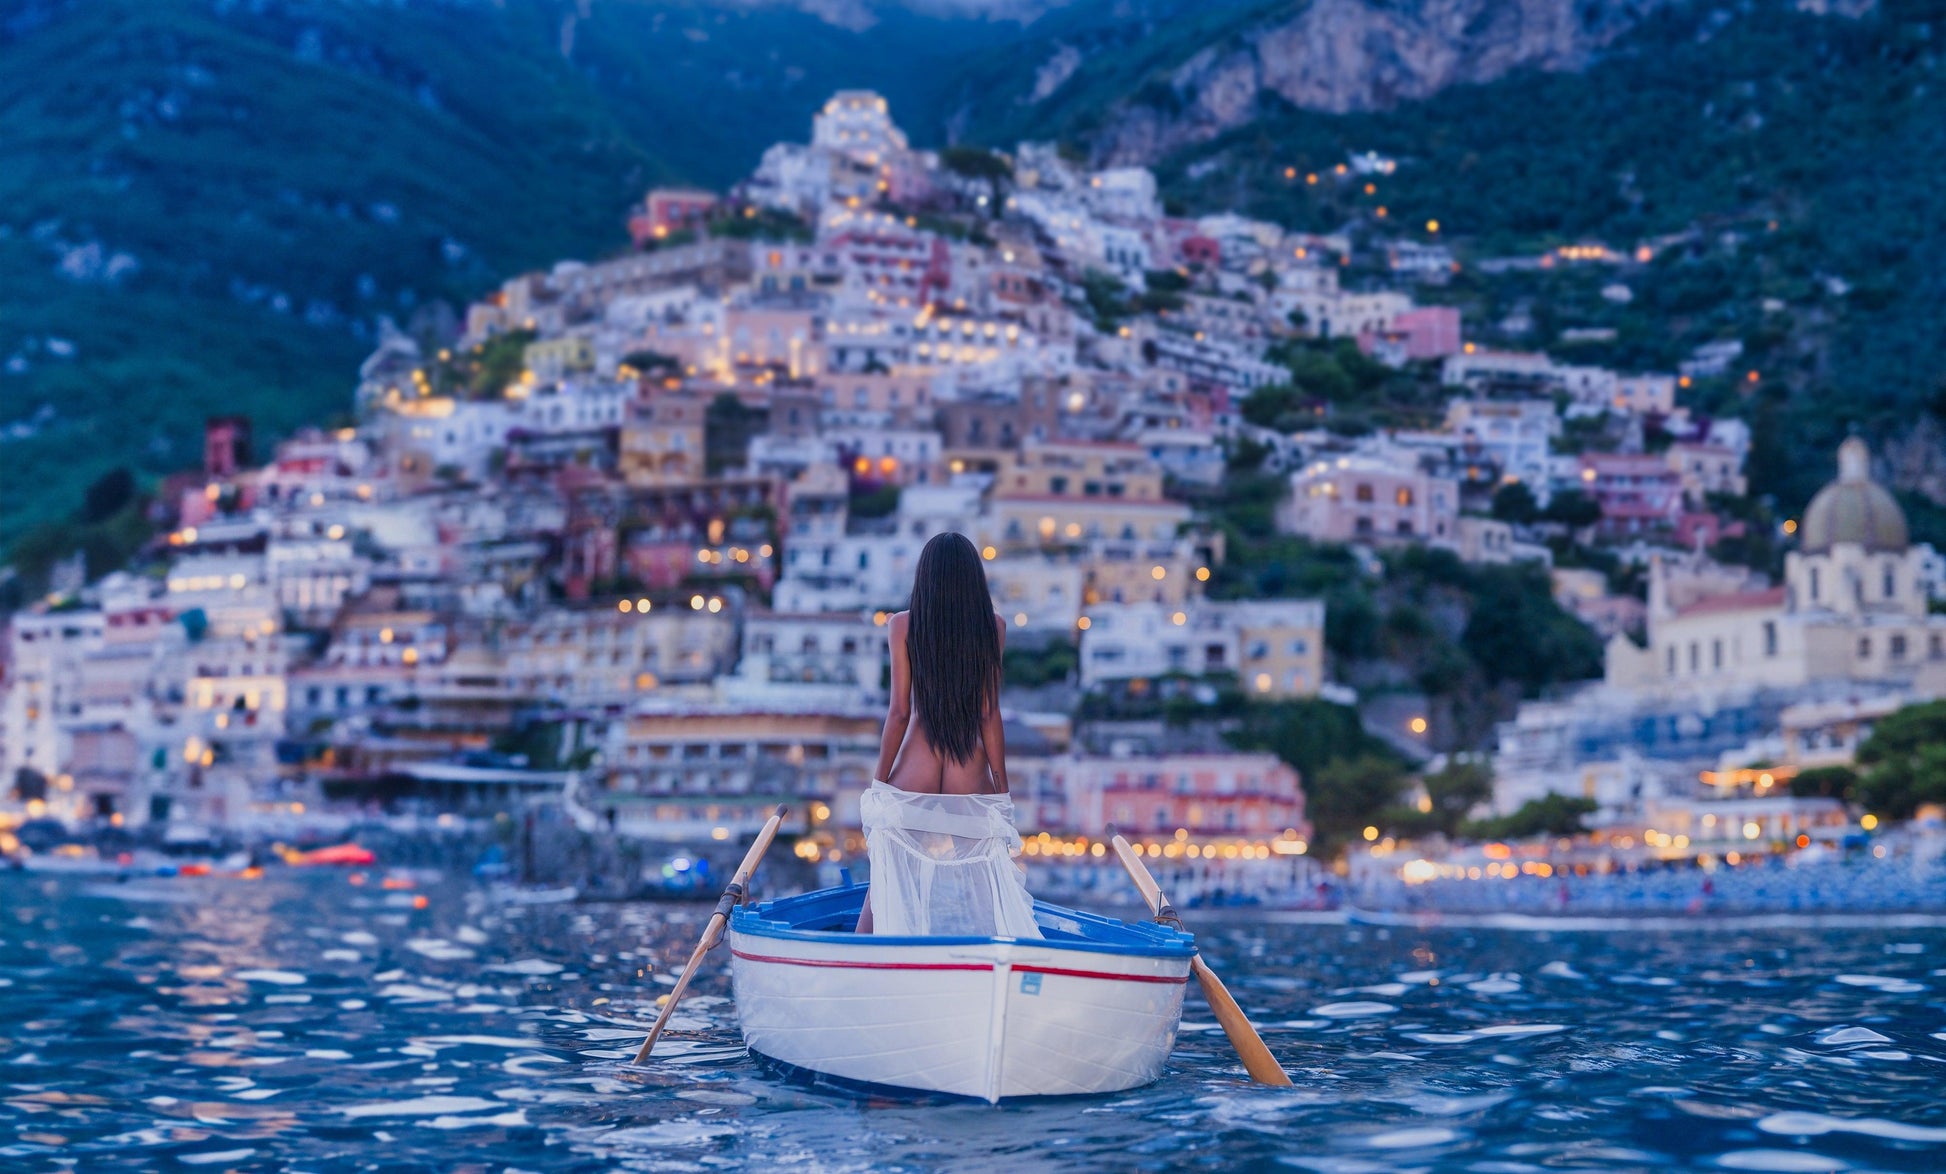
992 735
898 714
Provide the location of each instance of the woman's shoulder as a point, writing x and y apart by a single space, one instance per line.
898 621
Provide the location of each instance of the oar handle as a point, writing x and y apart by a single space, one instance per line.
733 895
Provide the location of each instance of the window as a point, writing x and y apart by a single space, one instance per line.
1363 526
1891 584
1404 495
1057 484
1770 637
1405 527
1864 648
1695 656
1363 492
1259 650
1671 658
1814 584
1898 647
1716 654
1300 647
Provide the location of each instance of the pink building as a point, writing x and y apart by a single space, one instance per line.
1247 796
1638 492
668 210
1364 499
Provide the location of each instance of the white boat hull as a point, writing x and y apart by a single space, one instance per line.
978 1018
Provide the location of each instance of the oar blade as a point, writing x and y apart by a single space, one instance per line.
1257 1060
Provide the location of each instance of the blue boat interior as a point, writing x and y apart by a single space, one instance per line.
829 915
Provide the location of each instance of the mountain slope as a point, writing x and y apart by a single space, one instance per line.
205 205
1802 156
1170 75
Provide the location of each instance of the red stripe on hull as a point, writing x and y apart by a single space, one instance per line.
840 964
1163 978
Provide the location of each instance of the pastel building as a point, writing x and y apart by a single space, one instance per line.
1365 499
1203 795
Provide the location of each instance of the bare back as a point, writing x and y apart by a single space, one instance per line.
921 767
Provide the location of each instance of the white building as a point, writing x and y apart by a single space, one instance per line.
1275 647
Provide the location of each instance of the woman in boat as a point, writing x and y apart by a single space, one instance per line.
938 821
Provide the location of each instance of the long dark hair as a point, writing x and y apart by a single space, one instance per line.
953 645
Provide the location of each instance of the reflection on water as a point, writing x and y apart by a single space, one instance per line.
301 1023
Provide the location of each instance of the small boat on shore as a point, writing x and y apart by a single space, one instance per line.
1092 1007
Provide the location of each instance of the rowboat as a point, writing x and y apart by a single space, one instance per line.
1091 1008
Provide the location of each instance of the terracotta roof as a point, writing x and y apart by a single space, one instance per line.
1736 601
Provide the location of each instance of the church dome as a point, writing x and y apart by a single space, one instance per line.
1854 508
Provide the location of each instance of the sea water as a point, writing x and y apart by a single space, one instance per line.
300 1022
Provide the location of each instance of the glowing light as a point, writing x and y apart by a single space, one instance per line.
1179 619
625 606
715 604
1417 725
695 603
642 606
1084 623
1371 833
719 833
1751 830
1868 822
1158 573
988 553
1202 574
1020 619
1432 226
1263 682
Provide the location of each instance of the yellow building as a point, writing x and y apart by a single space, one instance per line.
678 774
551 359
1280 647
662 441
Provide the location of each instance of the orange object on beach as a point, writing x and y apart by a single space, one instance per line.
337 854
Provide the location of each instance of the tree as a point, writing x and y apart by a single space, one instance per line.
1553 815
1514 502
1276 406
1456 789
1573 508
1825 782
1307 733
976 163
107 494
1905 761
728 425
1349 794
1517 632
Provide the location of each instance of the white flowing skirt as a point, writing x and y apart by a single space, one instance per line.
944 865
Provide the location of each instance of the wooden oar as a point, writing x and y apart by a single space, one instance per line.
713 932
1257 1060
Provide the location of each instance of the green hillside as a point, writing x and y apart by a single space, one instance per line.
205 206
1805 155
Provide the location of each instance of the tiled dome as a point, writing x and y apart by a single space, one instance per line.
1854 508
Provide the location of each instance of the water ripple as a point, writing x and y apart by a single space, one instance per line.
299 1023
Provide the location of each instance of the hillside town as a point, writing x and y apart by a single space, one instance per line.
620 547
